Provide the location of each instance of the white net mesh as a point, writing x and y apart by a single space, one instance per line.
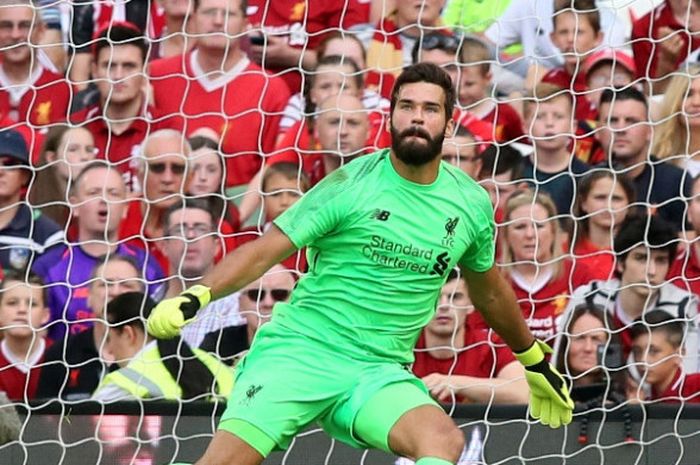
142 142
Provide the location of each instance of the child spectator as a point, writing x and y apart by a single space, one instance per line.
23 314
677 135
657 347
551 167
532 256
602 205
282 184
460 363
644 249
607 68
576 34
461 151
474 82
73 367
155 369
65 153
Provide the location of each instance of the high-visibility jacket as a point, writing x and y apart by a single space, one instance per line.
147 377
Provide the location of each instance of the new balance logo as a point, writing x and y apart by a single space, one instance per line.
381 215
441 263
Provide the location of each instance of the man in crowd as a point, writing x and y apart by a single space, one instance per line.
24 234
99 199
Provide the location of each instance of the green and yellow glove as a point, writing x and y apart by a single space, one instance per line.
169 316
549 397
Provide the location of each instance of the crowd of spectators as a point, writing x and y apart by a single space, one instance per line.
142 141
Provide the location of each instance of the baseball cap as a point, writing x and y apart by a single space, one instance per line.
13 145
608 54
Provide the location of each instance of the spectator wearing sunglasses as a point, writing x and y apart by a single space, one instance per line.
24 234
191 244
255 304
162 173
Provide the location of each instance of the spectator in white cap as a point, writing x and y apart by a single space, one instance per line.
24 234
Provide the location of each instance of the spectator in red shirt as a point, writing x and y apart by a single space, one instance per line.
657 346
685 269
602 205
29 92
119 116
217 86
533 258
65 152
677 133
161 172
23 313
663 38
473 90
291 30
576 34
459 363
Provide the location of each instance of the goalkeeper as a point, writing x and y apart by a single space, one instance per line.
382 234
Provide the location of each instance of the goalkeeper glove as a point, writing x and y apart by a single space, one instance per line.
170 315
549 396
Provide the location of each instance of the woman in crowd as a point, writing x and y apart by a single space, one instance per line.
602 204
66 150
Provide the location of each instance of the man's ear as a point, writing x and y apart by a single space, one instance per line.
450 128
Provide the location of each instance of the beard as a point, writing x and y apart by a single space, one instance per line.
413 152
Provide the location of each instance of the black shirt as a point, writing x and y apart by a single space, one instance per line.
561 186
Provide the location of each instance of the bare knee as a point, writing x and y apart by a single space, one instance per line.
453 443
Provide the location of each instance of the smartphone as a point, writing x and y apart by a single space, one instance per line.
257 40
610 355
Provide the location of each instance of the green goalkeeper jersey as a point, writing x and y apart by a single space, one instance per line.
379 249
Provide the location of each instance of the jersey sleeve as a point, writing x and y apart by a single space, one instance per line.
479 256
318 212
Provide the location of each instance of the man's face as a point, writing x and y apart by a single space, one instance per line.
343 131
452 309
119 74
644 268
13 177
280 193
574 36
460 151
219 24
630 131
472 85
603 134
551 124
659 358
417 123
259 297
423 12
163 175
191 244
18 27
100 202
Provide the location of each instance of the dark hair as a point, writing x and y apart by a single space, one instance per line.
205 203
341 35
583 189
430 73
203 142
116 35
244 6
659 320
290 171
648 231
193 376
435 41
26 278
585 8
462 131
93 165
128 259
620 95
499 159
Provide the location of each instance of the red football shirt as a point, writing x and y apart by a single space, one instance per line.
45 100
482 129
685 388
244 106
544 306
302 23
123 149
645 39
585 110
507 122
600 263
17 382
685 270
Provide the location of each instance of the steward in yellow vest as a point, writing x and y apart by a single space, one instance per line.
155 369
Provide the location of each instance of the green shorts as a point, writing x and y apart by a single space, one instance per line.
287 382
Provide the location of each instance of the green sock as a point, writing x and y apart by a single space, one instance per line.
432 461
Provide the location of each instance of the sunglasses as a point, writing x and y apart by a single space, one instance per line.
278 295
159 168
440 41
